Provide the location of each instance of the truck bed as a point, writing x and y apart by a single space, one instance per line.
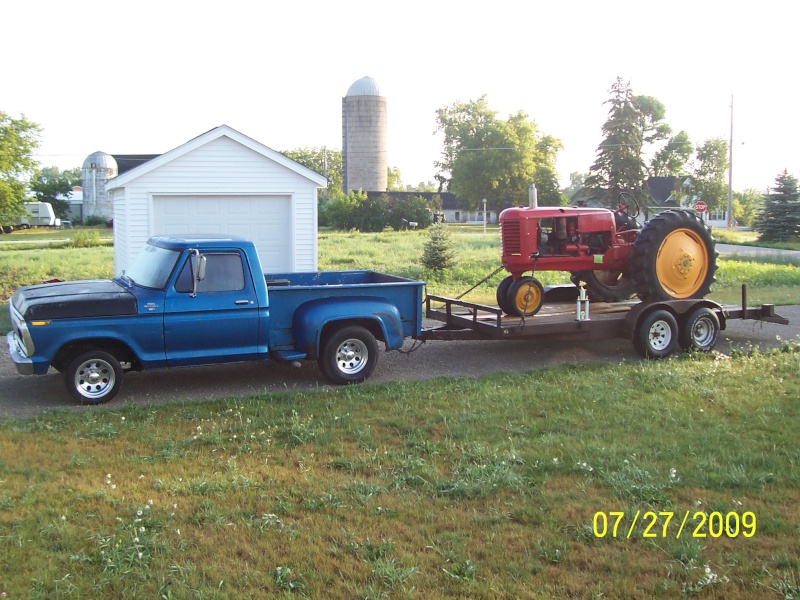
288 291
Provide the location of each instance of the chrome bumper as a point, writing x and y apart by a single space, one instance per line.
23 364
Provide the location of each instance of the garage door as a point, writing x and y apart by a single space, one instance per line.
267 220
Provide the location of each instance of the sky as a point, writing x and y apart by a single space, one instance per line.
145 77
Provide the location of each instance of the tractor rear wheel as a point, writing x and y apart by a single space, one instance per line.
525 297
607 286
674 257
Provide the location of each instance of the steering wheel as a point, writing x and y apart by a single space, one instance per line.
628 204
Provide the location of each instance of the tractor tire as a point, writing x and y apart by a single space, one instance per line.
525 297
607 286
674 257
502 294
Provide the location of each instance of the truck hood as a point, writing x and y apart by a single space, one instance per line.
70 299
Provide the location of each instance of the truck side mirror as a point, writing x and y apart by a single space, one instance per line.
198 268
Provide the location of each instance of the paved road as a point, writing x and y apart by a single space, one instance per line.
28 396
756 252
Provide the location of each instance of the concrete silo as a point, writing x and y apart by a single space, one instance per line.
98 168
364 137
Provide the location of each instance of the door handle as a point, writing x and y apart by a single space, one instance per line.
243 302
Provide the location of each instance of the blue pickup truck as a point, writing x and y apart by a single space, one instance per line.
204 300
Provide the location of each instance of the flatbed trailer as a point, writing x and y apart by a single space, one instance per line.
655 328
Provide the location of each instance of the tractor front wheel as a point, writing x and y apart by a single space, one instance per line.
502 294
525 297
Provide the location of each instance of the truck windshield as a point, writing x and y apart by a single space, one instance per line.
152 267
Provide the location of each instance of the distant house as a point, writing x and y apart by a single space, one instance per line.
453 213
220 182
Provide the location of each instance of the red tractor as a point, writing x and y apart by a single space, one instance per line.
671 257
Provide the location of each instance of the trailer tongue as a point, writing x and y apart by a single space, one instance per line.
655 328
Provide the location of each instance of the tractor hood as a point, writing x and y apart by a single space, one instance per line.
70 299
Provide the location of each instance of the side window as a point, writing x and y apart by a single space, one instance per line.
224 273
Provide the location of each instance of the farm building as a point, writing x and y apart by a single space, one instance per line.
221 182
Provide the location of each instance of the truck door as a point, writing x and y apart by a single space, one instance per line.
220 323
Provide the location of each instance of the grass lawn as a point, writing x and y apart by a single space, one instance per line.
678 478
675 478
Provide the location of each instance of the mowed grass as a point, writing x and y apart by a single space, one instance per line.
467 488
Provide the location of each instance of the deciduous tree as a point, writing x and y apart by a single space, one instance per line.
485 156
708 180
19 139
55 186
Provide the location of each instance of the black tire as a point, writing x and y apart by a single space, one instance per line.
349 355
656 335
502 294
608 286
699 330
525 297
674 257
93 377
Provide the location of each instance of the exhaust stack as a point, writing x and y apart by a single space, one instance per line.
533 196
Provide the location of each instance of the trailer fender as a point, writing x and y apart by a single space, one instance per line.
377 314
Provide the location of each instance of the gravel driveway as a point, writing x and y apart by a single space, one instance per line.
22 396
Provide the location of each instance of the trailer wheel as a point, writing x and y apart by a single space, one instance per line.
502 294
349 355
656 335
699 330
525 297
93 377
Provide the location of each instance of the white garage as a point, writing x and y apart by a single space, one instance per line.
220 182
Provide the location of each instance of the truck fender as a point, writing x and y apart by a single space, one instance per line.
310 319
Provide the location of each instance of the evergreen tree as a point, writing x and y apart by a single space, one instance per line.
438 253
618 166
779 219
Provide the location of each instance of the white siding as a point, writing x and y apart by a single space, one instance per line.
221 167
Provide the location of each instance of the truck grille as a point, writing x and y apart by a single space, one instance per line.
511 238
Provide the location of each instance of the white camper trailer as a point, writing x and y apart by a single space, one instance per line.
38 214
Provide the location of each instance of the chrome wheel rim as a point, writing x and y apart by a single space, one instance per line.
352 356
94 378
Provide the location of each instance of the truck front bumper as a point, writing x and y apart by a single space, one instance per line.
23 364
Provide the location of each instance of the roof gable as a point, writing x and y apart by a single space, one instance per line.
201 140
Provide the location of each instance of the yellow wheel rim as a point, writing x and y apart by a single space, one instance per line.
682 263
528 298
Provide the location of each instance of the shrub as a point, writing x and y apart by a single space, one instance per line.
438 253
86 239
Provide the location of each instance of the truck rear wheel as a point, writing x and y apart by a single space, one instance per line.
656 335
674 257
93 377
349 355
700 330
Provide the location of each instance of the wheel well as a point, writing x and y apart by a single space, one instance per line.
119 350
370 325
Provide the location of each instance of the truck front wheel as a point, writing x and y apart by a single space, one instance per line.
93 377
349 355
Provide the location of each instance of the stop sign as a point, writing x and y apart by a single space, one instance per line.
700 206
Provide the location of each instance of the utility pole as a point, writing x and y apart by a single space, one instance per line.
730 172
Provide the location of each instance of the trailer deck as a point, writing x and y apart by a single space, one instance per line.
563 318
